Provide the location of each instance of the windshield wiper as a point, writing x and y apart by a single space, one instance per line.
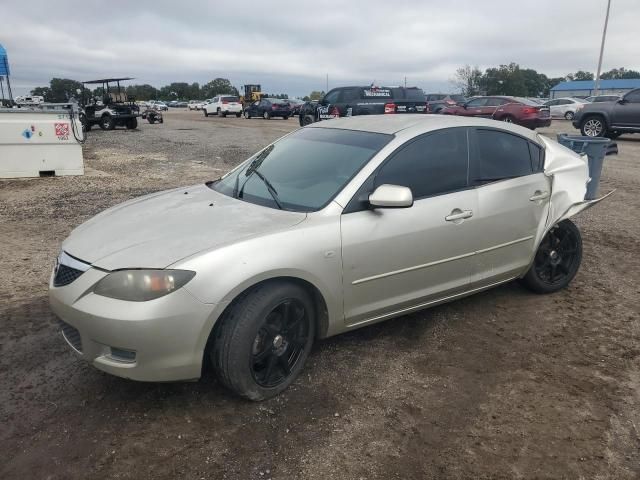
253 168
272 190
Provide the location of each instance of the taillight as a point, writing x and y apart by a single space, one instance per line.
530 110
274 107
224 102
389 108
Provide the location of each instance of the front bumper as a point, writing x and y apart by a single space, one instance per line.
163 339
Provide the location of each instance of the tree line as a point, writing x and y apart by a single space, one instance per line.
64 89
516 81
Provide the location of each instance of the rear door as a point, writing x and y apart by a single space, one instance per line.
409 100
513 202
348 101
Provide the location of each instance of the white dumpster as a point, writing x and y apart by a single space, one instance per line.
35 143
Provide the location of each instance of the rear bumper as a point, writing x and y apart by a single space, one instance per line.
162 339
534 122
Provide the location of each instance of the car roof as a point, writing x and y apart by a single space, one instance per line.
417 124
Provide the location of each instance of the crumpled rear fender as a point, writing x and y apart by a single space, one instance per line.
569 175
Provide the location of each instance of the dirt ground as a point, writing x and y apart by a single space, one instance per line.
504 384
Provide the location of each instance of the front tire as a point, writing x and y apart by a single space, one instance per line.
557 259
306 120
264 339
593 126
131 123
266 115
247 115
206 114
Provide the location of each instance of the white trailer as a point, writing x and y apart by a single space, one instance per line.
40 143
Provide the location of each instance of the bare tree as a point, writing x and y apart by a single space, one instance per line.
467 79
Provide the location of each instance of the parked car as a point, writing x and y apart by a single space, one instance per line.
157 105
195 104
506 109
368 100
267 108
223 105
436 102
610 119
565 107
182 104
381 216
295 105
603 98
172 104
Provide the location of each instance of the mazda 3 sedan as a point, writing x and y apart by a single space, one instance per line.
337 225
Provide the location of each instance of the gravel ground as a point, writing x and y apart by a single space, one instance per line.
504 384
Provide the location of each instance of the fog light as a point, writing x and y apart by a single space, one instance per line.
123 355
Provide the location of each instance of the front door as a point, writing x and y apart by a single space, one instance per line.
395 259
513 202
627 114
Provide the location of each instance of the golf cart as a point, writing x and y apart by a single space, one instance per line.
113 109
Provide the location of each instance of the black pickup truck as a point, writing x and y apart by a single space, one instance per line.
610 119
370 100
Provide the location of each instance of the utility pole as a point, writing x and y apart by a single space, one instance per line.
405 82
327 87
604 36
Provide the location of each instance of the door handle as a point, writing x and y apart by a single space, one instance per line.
457 214
538 195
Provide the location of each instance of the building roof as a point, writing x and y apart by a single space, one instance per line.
626 83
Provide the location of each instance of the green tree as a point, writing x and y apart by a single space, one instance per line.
619 73
218 86
468 79
552 82
315 95
504 80
580 75
59 90
306 98
142 92
536 83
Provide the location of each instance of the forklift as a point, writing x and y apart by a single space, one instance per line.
252 93
113 109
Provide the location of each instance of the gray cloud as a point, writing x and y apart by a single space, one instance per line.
289 46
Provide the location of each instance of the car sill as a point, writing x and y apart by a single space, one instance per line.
420 306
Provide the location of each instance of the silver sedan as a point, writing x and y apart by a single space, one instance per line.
333 227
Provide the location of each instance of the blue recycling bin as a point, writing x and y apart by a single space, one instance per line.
596 148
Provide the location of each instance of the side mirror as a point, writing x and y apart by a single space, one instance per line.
622 101
391 196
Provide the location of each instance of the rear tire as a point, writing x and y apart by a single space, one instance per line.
569 115
238 115
286 117
151 119
131 123
593 126
263 340
557 259
266 115
247 115
306 120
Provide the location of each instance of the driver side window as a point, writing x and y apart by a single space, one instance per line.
633 97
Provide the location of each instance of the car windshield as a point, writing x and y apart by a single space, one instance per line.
306 168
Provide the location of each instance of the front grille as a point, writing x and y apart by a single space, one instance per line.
65 275
71 335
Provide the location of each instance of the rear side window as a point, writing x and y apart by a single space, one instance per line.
498 156
537 157
433 164
350 95
414 94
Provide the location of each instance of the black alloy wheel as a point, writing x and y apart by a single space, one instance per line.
280 343
557 259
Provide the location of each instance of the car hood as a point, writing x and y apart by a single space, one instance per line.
157 230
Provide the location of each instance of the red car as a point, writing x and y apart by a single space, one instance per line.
506 109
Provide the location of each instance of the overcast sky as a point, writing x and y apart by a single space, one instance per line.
290 45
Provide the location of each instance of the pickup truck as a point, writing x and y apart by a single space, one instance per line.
610 119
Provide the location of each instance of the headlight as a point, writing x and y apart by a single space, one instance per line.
142 285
